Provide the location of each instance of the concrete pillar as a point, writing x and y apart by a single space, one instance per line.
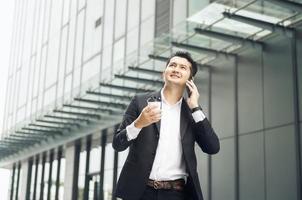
23 180
69 170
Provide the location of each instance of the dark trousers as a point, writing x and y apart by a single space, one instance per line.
153 194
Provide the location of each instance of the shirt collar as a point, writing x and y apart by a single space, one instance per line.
166 102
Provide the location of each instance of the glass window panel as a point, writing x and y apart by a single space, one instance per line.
281 176
32 181
120 18
71 48
132 41
179 11
28 30
55 20
196 5
62 179
46 177
81 178
147 31
62 63
46 20
81 4
133 18
119 49
39 180
24 84
108 172
106 59
90 70
42 70
79 40
93 35
66 10
95 159
67 85
36 77
108 23
21 114
77 79
53 179
148 9
50 95
52 61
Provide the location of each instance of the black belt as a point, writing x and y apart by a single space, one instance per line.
178 184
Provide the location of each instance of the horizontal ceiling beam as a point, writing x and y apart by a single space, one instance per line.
146 71
104 103
125 88
287 31
228 37
140 80
211 52
89 115
114 96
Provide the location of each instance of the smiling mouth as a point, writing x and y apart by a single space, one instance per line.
174 76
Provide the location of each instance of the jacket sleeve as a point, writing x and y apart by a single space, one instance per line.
205 137
120 140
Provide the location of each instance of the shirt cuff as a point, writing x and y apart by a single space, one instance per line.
198 116
132 132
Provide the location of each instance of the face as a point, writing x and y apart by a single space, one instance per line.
178 71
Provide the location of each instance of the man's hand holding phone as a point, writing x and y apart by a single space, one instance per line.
193 95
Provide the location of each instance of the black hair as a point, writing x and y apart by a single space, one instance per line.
186 55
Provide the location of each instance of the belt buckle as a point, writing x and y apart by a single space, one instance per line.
156 184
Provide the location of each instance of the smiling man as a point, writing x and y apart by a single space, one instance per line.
161 164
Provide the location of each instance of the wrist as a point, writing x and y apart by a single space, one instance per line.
193 109
137 124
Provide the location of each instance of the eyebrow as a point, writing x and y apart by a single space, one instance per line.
179 64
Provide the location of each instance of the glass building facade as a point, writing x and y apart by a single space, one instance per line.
75 64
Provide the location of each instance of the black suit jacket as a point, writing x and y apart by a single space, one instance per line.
138 165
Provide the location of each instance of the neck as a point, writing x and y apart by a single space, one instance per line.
172 94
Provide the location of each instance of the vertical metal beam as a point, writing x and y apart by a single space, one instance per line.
12 182
42 176
36 177
50 174
76 162
115 168
296 113
236 131
86 184
210 118
18 181
59 156
102 168
28 178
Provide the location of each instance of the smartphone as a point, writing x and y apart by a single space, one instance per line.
188 90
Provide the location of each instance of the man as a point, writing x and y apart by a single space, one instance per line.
161 164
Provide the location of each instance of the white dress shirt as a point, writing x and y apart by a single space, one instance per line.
169 162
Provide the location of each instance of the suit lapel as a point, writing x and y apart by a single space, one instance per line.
156 95
184 119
